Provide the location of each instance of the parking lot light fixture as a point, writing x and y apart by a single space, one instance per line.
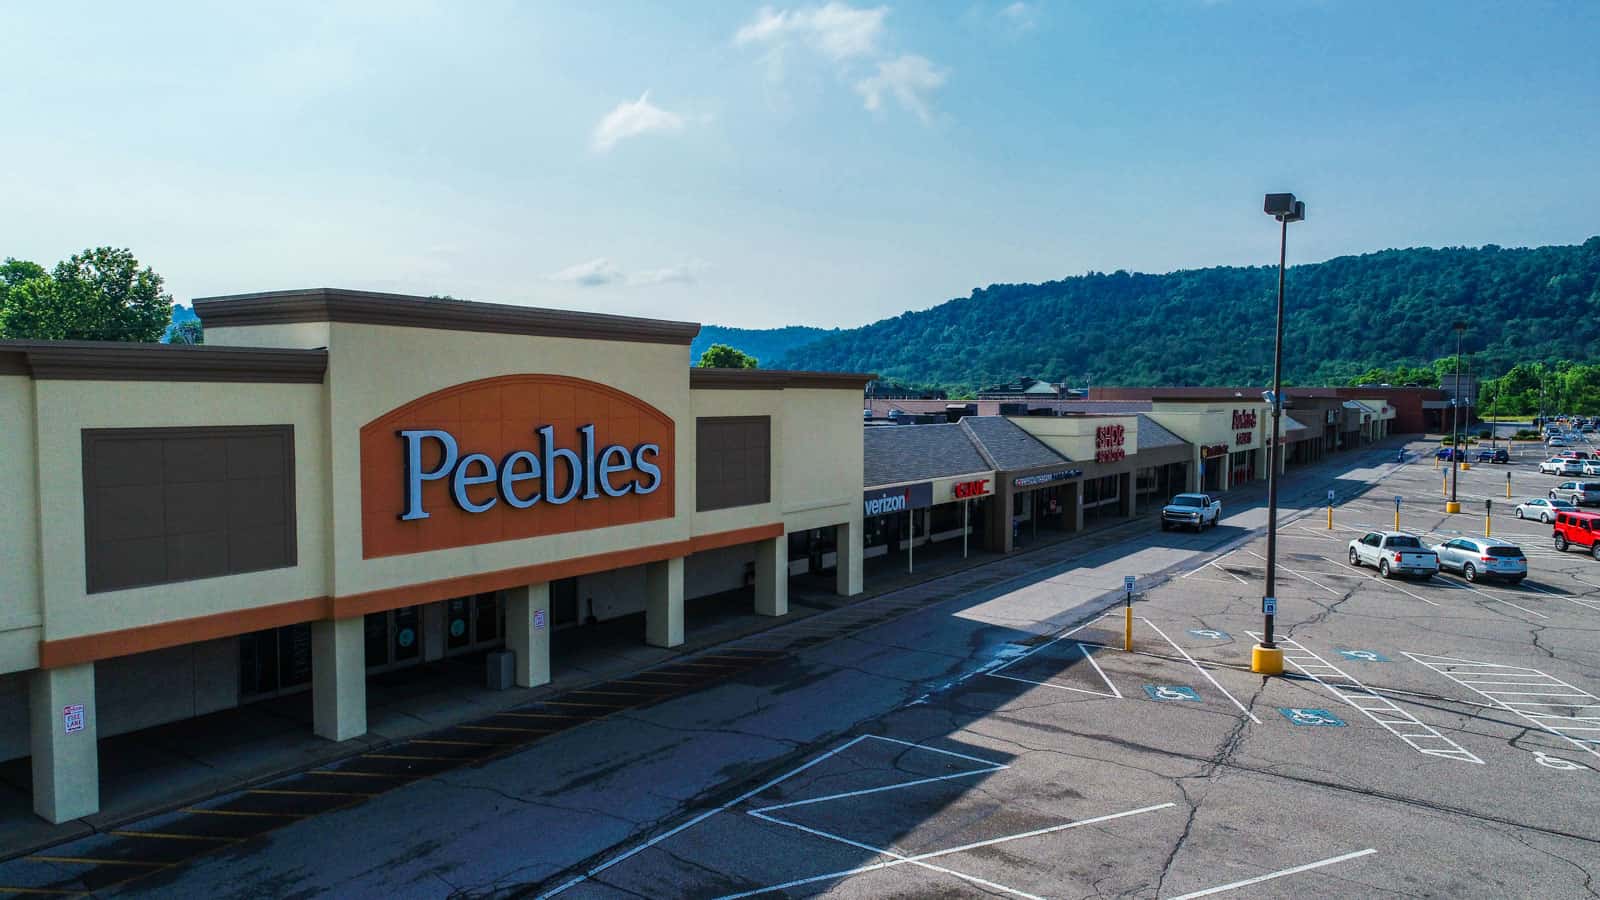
1265 657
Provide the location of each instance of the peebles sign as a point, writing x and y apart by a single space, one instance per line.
509 458
1244 423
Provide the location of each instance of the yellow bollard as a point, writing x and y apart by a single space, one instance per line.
1436 462
1127 629
1397 518
1508 485
1330 517
1487 531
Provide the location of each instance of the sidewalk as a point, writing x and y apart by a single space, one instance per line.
170 766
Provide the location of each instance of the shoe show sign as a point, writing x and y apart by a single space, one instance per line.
508 458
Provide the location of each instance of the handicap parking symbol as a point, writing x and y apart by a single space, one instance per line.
1300 715
1209 634
1364 655
1171 692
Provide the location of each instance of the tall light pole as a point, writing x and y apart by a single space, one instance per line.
1265 657
1455 464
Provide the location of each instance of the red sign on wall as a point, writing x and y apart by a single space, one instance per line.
1244 418
1108 443
1212 451
968 489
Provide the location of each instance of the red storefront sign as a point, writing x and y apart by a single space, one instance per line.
1108 443
968 489
1212 451
1244 419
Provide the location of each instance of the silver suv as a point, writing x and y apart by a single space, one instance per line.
1579 493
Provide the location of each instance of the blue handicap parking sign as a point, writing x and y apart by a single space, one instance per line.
1300 715
1171 692
1364 655
1210 634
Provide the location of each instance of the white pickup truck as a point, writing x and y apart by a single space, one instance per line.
1394 553
1191 511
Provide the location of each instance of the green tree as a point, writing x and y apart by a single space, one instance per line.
100 295
722 356
188 332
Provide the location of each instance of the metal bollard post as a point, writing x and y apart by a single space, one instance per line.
1127 613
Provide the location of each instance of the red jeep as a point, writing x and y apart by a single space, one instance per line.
1578 529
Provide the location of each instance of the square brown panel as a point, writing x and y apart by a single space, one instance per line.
162 505
733 462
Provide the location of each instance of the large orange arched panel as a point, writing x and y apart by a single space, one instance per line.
495 417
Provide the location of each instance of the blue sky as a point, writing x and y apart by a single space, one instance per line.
786 164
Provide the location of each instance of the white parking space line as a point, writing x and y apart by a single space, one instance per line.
921 858
1278 874
1394 586
1202 671
1461 671
1299 575
1421 736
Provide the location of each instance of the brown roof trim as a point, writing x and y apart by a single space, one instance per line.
373 308
120 361
774 380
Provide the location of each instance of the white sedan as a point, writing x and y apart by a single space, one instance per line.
1542 509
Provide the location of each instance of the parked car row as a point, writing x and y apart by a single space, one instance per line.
1395 553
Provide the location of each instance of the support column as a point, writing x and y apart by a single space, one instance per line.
847 577
663 603
1125 488
338 678
66 767
1076 510
528 632
1191 477
772 576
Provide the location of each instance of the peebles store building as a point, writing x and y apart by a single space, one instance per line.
342 482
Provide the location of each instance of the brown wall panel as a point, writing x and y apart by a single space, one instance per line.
175 504
733 461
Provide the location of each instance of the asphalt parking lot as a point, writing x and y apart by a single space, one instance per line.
1432 739
986 734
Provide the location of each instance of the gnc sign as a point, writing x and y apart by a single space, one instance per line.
509 458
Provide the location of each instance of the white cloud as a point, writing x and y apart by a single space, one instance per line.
909 79
594 273
837 30
601 271
631 120
1020 16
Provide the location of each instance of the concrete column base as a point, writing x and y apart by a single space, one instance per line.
847 542
772 576
339 678
528 632
663 605
66 767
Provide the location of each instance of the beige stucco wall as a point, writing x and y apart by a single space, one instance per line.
65 408
1074 436
740 403
20 602
294 336
821 478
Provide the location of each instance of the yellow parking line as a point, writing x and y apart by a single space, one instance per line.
48 892
357 774
451 743
169 836
665 684
701 665
504 728
575 718
243 812
90 861
616 693
598 705
403 756
281 792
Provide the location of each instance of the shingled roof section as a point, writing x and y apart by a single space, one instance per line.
895 454
1008 444
1153 435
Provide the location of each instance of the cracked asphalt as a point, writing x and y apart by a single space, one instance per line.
997 740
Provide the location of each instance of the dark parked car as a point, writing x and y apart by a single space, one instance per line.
1451 453
1501 455
1484 455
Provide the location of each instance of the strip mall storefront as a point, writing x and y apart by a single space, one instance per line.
898 519
341 483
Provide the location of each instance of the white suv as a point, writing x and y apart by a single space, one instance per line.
1552 466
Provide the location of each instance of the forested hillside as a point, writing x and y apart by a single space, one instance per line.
1214 326
765 344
